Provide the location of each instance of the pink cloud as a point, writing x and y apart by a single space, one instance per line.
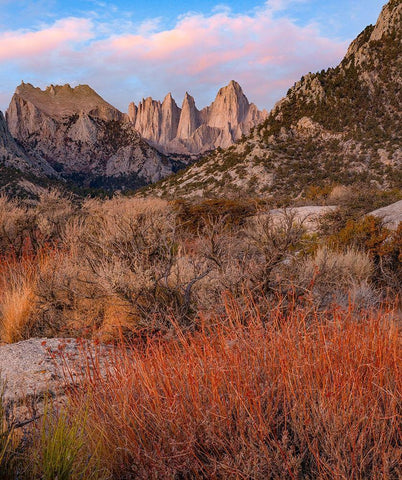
22 45
259 51
266 55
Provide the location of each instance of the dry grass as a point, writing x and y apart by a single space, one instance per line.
293 395
17 297
336 277
268 385
131 264
342 268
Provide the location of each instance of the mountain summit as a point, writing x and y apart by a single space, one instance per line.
59 101
343 125
82 137
187 130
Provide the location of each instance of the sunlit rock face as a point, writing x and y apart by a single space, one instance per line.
188 130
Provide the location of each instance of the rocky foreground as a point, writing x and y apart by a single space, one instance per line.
34 370
391 215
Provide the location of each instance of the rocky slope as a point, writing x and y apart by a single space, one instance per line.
21 174
187 130
82 137
342 125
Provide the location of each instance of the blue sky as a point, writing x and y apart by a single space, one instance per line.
130 50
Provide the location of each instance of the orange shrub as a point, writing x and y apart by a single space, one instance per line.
315 192
368 233
383 245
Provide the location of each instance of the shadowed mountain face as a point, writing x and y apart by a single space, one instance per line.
342 125
187 130
22 175
82 137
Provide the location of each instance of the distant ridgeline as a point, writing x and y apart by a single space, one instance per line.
72 134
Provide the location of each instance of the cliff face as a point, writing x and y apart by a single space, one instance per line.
192 131
12 155
77 133
339 126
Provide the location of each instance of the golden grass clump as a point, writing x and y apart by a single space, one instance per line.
16 307
17 297
335 271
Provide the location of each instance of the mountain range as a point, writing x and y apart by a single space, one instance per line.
338 126
73 134
187 130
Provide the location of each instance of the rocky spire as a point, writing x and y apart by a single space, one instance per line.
132 112
229 107
189 118
148 119
156 121
170 120
188 130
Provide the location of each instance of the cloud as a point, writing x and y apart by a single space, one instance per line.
23 45
278 5
266 54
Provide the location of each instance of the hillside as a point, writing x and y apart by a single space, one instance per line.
339 126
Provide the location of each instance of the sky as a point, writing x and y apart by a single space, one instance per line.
129 50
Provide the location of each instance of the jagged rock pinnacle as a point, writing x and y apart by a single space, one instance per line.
188 130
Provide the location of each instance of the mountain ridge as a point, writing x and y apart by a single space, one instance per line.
187 130
64 100
82 137
75 135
